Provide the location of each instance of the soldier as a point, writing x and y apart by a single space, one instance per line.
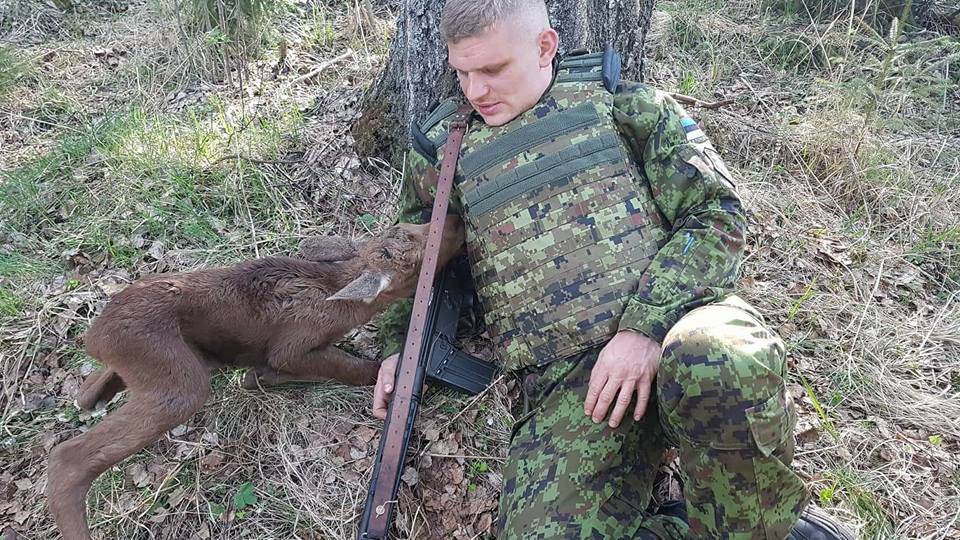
604 236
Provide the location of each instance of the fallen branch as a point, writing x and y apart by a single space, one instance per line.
317 70
241 157
694 102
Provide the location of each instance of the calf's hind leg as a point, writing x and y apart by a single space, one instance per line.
74 464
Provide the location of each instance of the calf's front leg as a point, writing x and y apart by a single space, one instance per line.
314 366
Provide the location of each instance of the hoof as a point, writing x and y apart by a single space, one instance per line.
250 380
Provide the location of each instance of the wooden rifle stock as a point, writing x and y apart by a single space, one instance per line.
378 513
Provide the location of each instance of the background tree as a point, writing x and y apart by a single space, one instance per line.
417 77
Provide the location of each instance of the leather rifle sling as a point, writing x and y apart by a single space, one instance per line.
401 407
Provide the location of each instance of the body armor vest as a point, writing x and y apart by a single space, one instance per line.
560 223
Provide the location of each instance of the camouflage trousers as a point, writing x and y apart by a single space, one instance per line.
720 400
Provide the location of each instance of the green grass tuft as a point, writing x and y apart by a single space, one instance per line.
12 70
10 303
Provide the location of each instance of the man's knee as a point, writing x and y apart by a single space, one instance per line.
721 379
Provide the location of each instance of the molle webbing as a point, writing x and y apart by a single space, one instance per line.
528 136
444 110
423 144
584 68
597 67
560 222
527 178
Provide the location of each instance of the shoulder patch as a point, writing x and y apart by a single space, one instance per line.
694 133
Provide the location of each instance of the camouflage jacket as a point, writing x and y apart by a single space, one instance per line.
692 191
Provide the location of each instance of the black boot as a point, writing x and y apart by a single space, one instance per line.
815 524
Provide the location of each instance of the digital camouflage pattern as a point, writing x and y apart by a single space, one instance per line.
720 392
684 224
559 234
721 400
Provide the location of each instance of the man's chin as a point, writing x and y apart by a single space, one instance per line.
498 118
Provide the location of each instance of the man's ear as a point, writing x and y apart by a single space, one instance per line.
366 287
548 41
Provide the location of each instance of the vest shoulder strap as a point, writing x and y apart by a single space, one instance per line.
582 66
427 143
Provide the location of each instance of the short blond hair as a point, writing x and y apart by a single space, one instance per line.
469 18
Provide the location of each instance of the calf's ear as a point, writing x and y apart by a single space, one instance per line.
327 248
366 287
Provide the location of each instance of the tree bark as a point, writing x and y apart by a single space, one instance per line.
417 77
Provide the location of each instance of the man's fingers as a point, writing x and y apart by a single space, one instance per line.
623 401
643 395
384 386
379 402
606 398
597 380
388 372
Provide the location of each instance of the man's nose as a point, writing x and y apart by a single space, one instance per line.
476 88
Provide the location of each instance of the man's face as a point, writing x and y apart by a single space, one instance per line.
504 71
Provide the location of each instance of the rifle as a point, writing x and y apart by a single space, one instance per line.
428 350
439 362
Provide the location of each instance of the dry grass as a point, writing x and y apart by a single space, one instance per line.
116 159
850 168
121 162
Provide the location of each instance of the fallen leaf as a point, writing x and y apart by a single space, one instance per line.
24 484
203 532
210 438
138 475
456 473
363 434
834 251
483 524
176 497
410 476
38 402
211 461
445 448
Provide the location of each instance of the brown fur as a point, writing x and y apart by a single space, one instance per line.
161 336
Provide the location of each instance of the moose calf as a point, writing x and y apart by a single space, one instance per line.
161 336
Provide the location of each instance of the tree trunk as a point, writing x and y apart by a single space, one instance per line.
417 77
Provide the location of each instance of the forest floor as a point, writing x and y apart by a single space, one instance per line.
120 156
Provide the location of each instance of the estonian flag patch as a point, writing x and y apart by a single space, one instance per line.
692 129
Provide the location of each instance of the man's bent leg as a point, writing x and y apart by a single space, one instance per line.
723 402
567 477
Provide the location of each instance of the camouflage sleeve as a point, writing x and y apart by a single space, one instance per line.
414 208
693 189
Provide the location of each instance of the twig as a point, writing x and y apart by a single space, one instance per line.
473 401
241 157
316 71
44 122
694 102
465 456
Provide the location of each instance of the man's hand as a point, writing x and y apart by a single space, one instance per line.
384 388
626 366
